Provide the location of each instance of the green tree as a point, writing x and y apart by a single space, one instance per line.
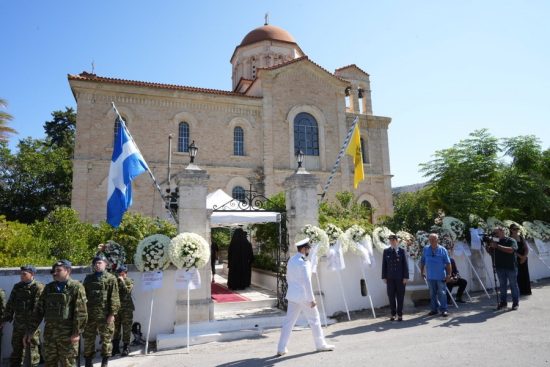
412 212
525 185
133 228
19 245
34 181
67 236
60 131
5 118
345 212
464 179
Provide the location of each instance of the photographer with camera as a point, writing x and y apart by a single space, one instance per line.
504 256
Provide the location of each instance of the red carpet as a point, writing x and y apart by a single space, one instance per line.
221 294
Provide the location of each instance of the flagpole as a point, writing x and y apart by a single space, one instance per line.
148 169
340 154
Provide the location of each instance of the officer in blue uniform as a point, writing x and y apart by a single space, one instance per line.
395 273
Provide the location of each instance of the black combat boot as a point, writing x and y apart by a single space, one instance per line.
105 362
125 350
88 362
116 347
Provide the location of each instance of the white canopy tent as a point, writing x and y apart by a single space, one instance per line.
230 211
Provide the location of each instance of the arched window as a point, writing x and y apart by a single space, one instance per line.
183 137
238 193
117 123
367 205
306 134
238 141
364 151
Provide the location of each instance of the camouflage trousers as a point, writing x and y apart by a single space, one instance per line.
124 320
18 350
57 346
94 327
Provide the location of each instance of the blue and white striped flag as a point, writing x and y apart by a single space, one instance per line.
127 163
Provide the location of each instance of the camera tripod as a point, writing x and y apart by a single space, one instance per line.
495 277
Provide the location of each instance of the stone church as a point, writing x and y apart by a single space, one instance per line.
281 102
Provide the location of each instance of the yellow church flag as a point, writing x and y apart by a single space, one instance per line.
354 150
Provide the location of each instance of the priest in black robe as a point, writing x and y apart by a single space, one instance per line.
239 262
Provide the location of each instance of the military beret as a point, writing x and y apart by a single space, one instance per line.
64 263
99 257
29 268
304 242
122 268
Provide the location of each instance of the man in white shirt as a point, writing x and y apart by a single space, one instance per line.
301 299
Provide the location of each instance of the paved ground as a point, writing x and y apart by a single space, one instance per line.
474 335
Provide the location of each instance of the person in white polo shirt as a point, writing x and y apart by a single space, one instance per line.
301 299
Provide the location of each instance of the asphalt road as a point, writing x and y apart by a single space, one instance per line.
474 335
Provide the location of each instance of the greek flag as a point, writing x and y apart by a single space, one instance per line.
127 163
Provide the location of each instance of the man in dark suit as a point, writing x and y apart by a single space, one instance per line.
395 273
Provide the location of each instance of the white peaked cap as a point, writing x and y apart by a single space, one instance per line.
303 242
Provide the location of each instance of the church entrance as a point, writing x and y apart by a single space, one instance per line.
249 277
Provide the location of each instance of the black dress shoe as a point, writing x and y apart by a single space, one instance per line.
501 305
444 314
515 307
400 318
431 313
392 318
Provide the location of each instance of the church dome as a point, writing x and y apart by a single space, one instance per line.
267 33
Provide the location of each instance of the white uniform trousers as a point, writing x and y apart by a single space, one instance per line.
312 315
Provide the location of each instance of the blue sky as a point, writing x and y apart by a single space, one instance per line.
439 69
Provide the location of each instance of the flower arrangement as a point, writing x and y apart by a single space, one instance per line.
508 223
537 229
355 236
475 221
380 237
115 254
455 226
152 253
422 239
188 250
317 237
446 238
544 229
334 234
409 244
493 223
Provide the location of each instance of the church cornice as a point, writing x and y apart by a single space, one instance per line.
106 97
351 66
88 77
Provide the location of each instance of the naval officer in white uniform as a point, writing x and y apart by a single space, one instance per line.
300 299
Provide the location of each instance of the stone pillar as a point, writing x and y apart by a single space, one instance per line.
302 203
194 217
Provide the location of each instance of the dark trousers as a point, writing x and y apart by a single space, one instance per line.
396 294
461 283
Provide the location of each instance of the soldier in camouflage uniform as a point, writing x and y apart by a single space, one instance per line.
126 313
103 305
19 309
62 305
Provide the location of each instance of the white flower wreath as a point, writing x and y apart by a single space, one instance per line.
334 234
115 254
409 244
455 226
380 237
422 239
188 250
476 221
544 229
493 223
152 253
354 236
317 237
537 229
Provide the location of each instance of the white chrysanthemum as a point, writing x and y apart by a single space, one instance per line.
317 237
493 223
380 237
146 250
544 229
188 250
477 222
408 242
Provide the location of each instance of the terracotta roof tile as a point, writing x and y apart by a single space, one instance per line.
351 66
301 59
85 76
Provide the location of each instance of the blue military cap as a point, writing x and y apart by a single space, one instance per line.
29 268
122 268
99 257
